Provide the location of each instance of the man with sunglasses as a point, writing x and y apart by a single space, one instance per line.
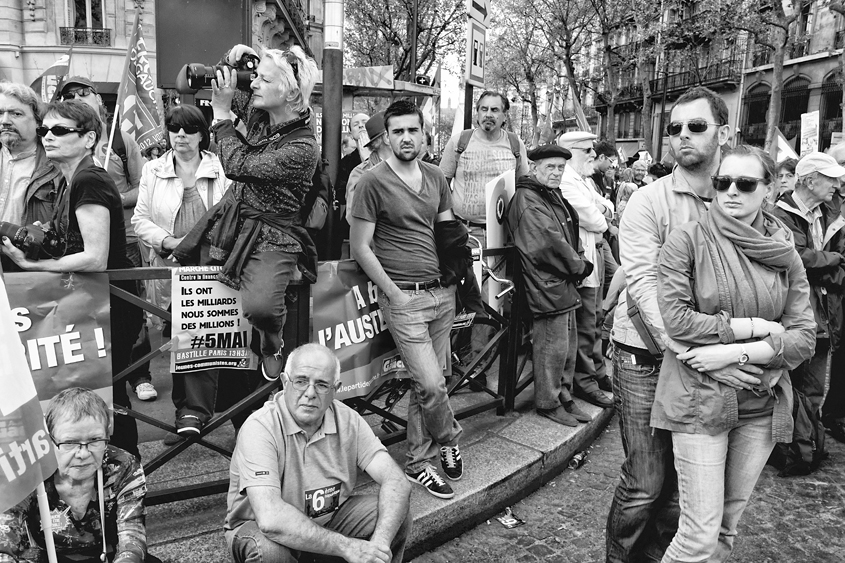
644 513
594 215
124 168
295 466
28 180
811 211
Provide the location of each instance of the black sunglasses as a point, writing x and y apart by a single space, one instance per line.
294 65
58 131
76 93
743 183
694 125
189 129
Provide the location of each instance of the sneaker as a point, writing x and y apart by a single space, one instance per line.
173 439
450 460
146 391
429 478
272 366
579 415
188 424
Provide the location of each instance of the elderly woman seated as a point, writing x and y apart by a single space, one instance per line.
96 487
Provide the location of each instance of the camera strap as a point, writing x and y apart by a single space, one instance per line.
299 127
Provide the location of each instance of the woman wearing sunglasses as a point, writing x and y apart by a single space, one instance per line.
176 190
96 496
88 220
732 291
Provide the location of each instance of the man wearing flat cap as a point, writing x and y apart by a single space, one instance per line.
818 228
594 214
544 227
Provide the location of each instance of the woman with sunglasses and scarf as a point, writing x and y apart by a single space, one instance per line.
732 291
88 219
256 232
176 190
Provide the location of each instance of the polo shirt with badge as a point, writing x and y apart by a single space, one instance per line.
315 476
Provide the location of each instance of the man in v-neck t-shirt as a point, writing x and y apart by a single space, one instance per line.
392 221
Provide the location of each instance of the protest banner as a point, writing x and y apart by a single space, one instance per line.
347 319
64 324
209 328
26 451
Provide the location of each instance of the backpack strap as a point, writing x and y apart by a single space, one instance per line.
514 141
463 140
118 147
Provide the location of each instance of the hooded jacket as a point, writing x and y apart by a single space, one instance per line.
825 268
544 227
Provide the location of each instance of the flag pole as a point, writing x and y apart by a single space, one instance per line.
46 521
123 81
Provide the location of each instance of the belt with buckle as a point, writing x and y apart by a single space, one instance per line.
418 286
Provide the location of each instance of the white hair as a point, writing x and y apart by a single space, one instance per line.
309 348
306 71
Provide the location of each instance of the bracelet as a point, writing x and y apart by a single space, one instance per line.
752 326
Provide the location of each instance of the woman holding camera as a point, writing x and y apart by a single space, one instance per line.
256 231
732 291
88 220
176 190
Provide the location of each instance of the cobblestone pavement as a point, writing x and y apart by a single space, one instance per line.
794 520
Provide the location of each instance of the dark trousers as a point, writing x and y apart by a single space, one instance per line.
264 282
644 512
142 346
812 376
126 321
834 403
356 518
589 341
555 341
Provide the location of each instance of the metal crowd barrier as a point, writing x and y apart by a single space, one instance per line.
509 341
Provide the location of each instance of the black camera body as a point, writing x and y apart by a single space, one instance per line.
197 76
32 240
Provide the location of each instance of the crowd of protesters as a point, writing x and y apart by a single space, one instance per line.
715 288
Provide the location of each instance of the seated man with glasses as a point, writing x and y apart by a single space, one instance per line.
295 466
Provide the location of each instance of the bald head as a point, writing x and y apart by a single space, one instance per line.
313 353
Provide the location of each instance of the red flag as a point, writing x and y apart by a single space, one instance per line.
26 450
47 84
135 100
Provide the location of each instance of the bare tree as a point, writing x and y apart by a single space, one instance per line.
378 32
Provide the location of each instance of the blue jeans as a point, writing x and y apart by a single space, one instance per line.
421 329
355 518
555 344
644 513
716 475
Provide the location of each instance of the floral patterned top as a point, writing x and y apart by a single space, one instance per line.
124 490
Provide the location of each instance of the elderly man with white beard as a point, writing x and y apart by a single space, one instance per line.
594 214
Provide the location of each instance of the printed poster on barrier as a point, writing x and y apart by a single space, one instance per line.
26 451
209 328
64 324
347 319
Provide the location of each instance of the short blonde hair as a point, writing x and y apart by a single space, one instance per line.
306 72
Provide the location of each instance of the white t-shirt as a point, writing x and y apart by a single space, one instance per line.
480 162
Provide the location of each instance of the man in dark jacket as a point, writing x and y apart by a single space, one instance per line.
545 231
28 181
807 212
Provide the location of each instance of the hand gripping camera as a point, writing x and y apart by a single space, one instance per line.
197 76
34 241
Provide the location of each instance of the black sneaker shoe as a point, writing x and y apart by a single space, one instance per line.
450 460
429 478
188 425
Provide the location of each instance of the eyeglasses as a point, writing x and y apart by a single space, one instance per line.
76 93
58 131
694 125
93 446
301 384
743 183
189 129
588 150
294 65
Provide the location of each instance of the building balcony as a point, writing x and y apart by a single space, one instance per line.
753 131
839 39
761 56
631 93
724 73
801 48
831 126
85 36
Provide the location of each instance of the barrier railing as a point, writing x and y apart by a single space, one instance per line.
508 343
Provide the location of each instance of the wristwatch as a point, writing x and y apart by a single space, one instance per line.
743 357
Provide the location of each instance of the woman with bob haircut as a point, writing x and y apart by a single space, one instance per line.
96 496
732 291
175 191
